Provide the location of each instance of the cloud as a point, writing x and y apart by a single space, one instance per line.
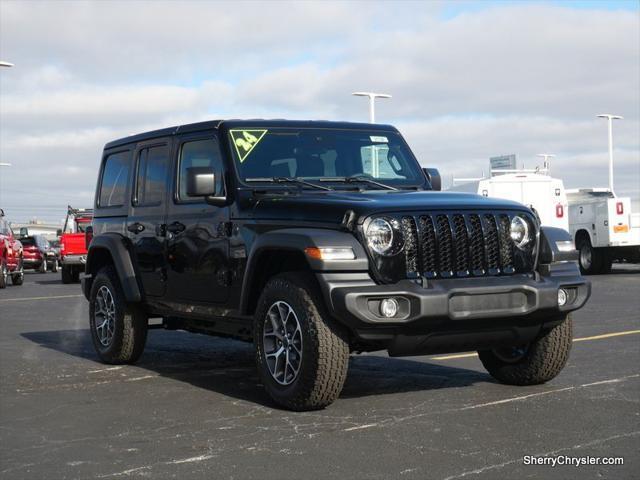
505 78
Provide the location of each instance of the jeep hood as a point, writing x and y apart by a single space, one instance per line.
331 206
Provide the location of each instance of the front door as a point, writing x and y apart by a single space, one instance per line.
148 214
197 241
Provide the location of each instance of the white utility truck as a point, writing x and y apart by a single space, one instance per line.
534 188
604 229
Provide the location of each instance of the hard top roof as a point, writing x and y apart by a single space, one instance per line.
215 124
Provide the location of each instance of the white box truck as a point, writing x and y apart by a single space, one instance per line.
534 188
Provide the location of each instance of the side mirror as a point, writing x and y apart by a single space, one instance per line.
201 182
433 175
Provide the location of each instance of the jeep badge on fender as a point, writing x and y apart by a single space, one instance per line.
315 240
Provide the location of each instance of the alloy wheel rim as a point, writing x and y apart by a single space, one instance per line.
5 272
282 343
104 316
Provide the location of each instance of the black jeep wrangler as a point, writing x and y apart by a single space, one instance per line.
315 240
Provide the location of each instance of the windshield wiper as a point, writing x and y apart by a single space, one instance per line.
297 180
358 178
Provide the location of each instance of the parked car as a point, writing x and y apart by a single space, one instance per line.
314 240
11 264
38 254
73 248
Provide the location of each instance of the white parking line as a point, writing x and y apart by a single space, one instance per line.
38 298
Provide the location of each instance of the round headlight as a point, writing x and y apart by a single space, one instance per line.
520 232
379 236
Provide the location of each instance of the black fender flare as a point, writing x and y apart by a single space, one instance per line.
551 241
297 239
117 246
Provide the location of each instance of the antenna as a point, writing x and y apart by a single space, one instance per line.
546 165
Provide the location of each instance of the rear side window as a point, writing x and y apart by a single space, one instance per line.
199 153
114 180
152 175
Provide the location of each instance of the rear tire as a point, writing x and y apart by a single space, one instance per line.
314 343
66 274
43 266
118 329
54 266
590 259
540 361
4 273
75 274
17 278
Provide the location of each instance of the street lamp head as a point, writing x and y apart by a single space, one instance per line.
6 64
371 94
611 117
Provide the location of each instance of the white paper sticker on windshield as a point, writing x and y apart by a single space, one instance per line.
379 139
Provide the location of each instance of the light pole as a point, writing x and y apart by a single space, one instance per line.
610 118
5 164
372 99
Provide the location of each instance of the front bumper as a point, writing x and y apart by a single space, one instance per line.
74 259
454 314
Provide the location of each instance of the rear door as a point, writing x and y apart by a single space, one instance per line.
197 243
145 223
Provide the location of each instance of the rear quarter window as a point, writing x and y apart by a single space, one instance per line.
113 185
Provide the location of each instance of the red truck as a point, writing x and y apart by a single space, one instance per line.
73 246
10 255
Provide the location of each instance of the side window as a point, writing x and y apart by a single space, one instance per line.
114 180
151 175
198 153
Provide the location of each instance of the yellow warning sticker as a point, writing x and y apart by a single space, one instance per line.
245 141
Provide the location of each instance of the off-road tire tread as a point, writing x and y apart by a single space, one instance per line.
134 328
327 348
544 360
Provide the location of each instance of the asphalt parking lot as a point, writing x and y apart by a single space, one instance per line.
192 407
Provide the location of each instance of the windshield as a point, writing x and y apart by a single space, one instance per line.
324 154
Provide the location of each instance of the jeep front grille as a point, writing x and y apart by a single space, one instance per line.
445 245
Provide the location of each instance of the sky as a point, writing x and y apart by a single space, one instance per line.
469 80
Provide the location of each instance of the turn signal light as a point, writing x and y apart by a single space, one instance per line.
327 253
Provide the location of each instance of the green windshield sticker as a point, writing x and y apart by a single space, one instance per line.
245 141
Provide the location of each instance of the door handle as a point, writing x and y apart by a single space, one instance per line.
136 228
176 227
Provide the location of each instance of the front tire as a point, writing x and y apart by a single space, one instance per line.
118 329
532 364
302 354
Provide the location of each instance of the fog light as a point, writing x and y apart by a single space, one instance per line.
562 297
388 307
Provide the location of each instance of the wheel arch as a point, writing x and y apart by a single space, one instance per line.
284 250
581 234
112 249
